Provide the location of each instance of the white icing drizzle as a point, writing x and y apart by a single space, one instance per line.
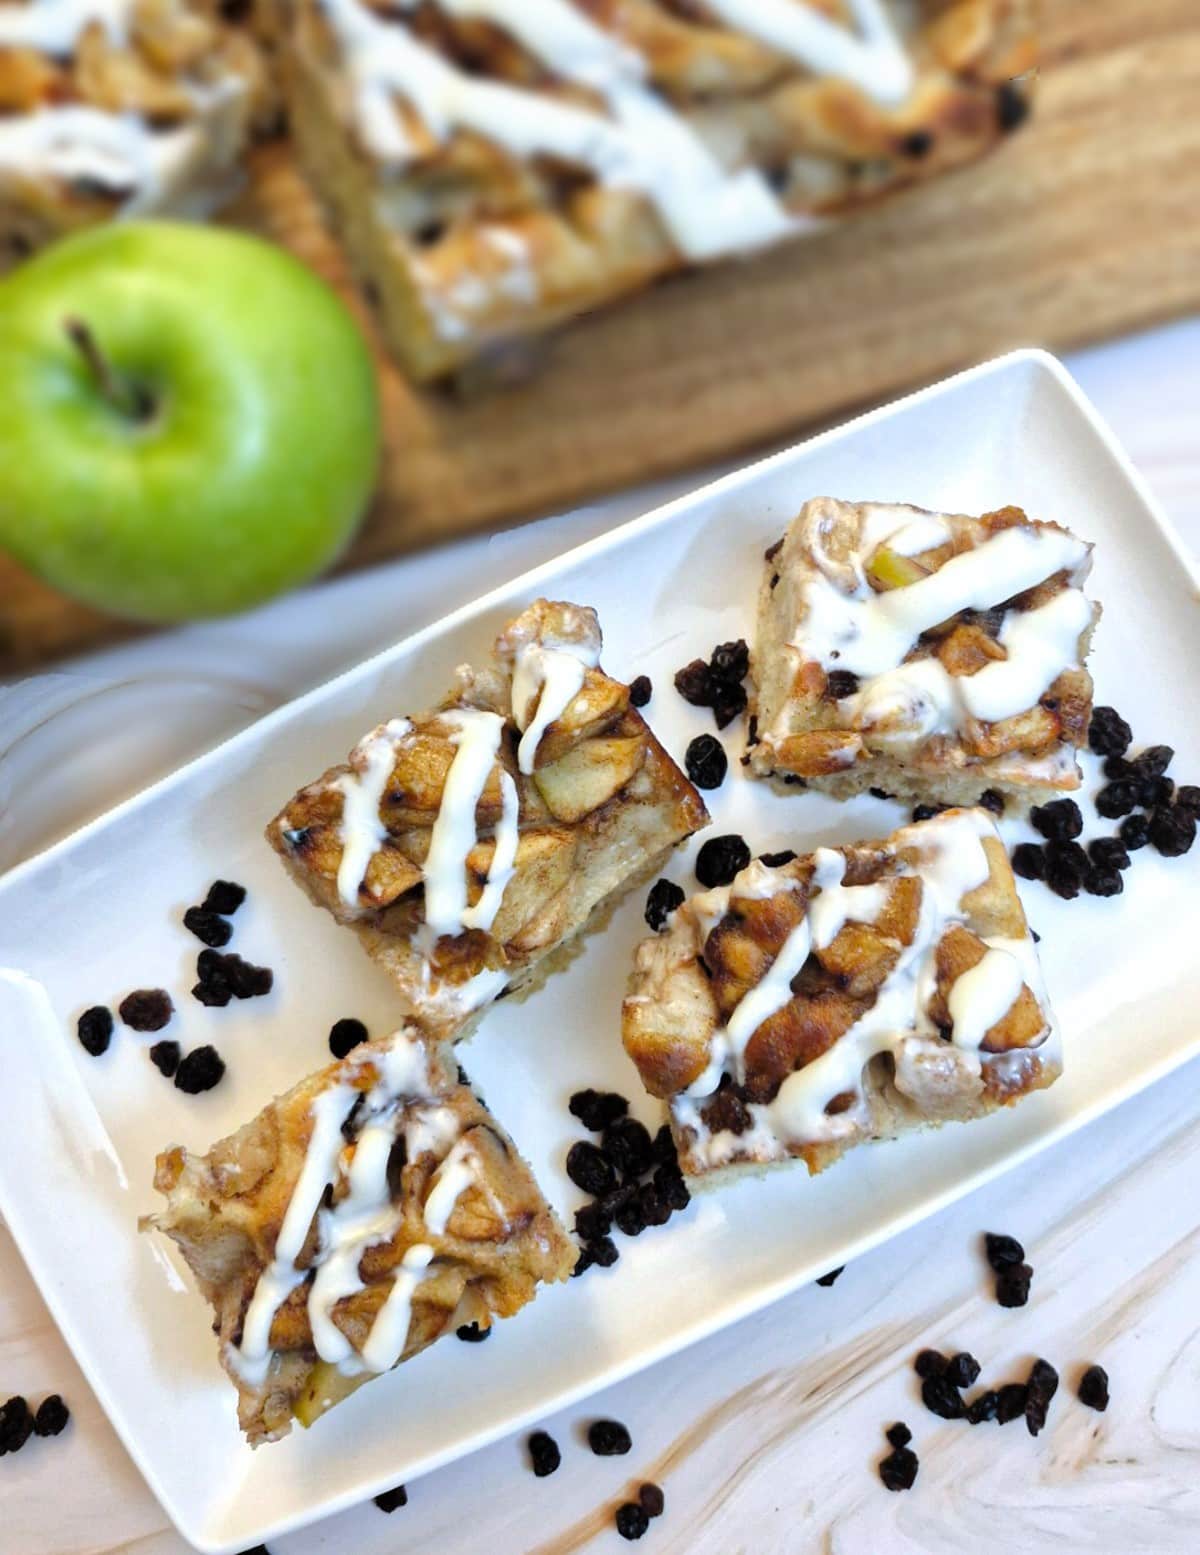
876 62
119 151
546 680
642 145
55 26
361 830
365 1217
476 739
953 862
869 633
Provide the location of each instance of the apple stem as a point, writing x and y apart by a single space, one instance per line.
121 393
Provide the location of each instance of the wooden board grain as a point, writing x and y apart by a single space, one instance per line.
1085 224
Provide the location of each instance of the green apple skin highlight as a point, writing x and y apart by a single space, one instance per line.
259 453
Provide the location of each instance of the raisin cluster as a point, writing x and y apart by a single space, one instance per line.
717 684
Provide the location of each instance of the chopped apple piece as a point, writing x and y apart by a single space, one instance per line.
888 569
589 776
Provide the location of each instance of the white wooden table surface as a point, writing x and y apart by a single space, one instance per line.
766 1436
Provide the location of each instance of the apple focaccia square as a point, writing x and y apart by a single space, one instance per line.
848 995
498 165
370 1210
467 845
117 107
929 654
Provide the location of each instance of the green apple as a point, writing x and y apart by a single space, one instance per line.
189 420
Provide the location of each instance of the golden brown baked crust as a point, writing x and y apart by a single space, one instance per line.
490 1235
145 107
467 239
601 804
857 686
848 995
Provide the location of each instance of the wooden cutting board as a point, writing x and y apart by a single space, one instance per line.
1085 224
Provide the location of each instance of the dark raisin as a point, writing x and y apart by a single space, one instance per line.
1118 767
962 1370
1012 1285
146 1009
216 994
728 702
165 1057
604 1252
730 661
629 1219
627 1144
1066 865
706 761
1134 831
880 793
596 1110
1116 799
589 1168
225 897
983 1407
544 1456
1058 821
941 1397
926 812
726 1111
992 799
392 1500
1103 882
840 683
670 1183
1093 1388
772 551
663 1145
655 1211
345 1035
1188 798
1172 831
640 690
592 1221
95 1030
1012 106
917 144
899 1435
1029 861
777 860
200 1070
246 980
1108 733
1153 761
1010 1402
632 1520
694 682
828 1279
1108 853
608 1438
665 896
721 859
1002 1251
472 1333
584 1262
208 927
16 1424
1039 1390
651 1499
898 1470
929 1363
52 1416
1155 791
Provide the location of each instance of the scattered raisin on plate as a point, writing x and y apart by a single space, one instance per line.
1059 821
651 1499
962 1370
898 1435
609 1438
730 661
941 1397
1039 1390
1002 1251
225 897
665 896
1012 1285
627 1144
589 1168
200 1070
345 1035
95 1030
828 1279
1117 798
1172 830
1029 861
898 1470
694 683
16 1424
52 1416
1134 831
983 1407
706 761
929 1363
1010 1402
720 859
632 1520
208 927
1093 1388
596 1110
392 1500
1108 853
640 690
165 1057
146 1009
1108 733
544 1456
471 1333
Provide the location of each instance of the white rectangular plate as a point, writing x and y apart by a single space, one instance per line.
99 914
